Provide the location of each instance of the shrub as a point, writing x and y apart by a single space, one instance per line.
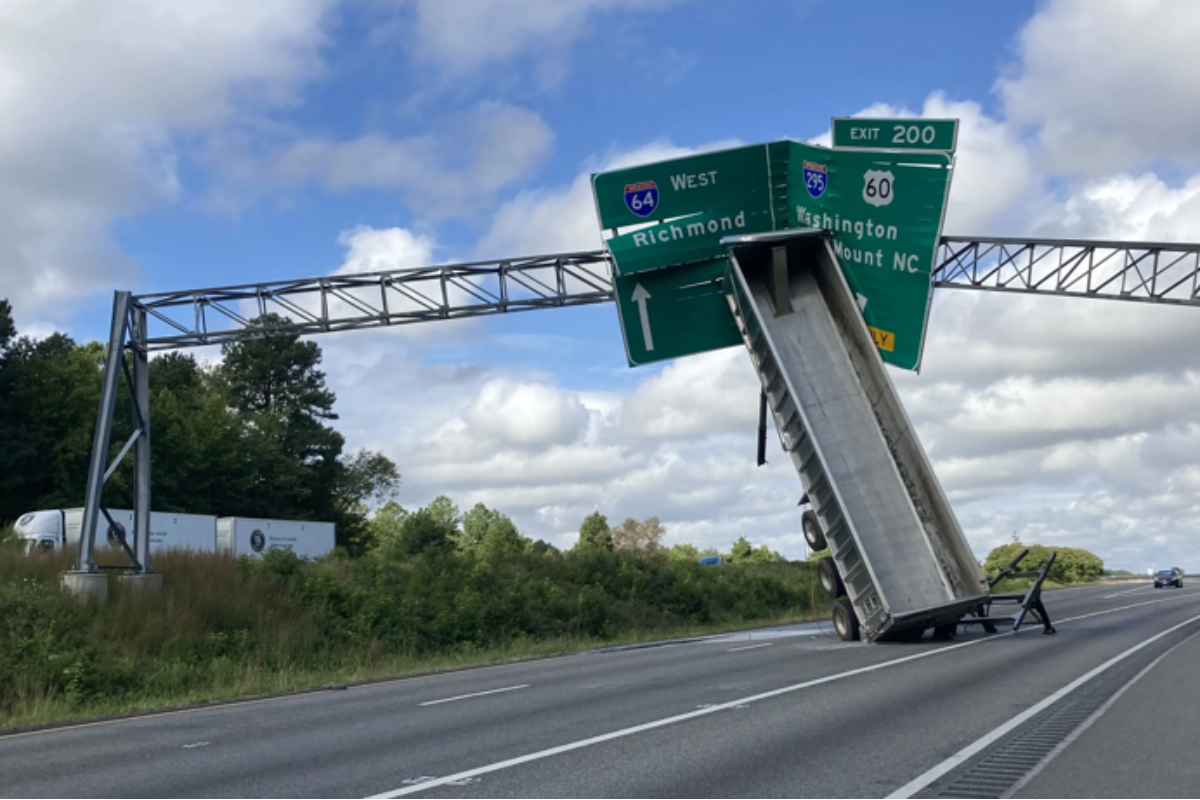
224 626
1073 565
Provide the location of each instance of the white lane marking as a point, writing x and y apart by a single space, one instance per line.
473 694
1127 591
196 744
1090 721
749 647
659 723
929 776
712 709
1124 608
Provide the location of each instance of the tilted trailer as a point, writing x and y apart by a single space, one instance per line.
899 563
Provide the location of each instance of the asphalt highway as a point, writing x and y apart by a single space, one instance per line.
1110 706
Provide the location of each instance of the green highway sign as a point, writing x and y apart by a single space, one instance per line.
678 210
676 312
863 133
881 192
885 211
696 237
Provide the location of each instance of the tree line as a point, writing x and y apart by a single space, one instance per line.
487 533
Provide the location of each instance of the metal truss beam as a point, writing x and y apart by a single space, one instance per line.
373 300
1150 272
1147 272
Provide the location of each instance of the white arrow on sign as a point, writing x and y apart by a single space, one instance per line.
640 296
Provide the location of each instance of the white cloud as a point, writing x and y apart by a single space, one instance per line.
1127 207
90 109
376 250
459 40
453 171
525 415
1111 84
669 405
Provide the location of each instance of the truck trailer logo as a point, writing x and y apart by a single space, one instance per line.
258 541
642 198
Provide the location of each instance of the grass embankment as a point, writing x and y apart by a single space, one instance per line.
223 629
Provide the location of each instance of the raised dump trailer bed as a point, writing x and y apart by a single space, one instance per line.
898 548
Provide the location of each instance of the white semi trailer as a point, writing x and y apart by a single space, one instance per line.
246 536
54 529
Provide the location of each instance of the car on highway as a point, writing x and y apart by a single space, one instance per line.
1168 577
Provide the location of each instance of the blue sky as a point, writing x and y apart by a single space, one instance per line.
156 145
752 71
711 72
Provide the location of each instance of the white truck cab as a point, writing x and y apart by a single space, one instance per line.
42 530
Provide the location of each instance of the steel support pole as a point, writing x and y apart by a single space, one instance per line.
141 453
84 561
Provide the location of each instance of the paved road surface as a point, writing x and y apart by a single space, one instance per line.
784 713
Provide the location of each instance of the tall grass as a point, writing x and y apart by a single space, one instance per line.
223 628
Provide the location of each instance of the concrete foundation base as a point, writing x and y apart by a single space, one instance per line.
151 582
92 586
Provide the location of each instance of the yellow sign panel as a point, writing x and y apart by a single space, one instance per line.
884 340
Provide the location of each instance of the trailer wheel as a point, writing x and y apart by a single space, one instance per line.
943 633
844 620
812 531
831 582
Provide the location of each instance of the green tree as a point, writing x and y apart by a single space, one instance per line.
8 328
594 534
274 383
363 478
420 532
684 552
765 555
741 550
475 524
297 470
446 513
503 539
387 523
49 390
489 534
638 537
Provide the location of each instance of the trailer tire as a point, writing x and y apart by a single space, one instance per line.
944 633
831 581
844 620
812 531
